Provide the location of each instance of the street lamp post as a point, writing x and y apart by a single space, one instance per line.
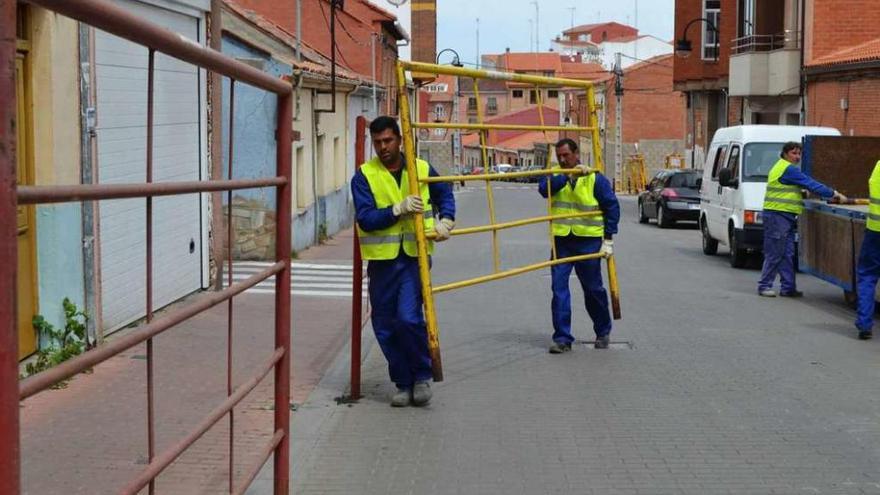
456 135
683 47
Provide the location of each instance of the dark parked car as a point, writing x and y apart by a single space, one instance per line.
671 196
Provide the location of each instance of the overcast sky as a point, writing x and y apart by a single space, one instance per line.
505 23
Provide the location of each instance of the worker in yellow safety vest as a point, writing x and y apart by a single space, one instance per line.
385 209
868 270
587 191
783 202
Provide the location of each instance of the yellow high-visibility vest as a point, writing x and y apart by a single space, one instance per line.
385 244
779 196
578 199
874 206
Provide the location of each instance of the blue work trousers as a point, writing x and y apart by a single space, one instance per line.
867 274
589 273
779 235
398 321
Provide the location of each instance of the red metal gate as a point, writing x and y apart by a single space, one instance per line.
104 15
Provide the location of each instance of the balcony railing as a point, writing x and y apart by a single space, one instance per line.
766 42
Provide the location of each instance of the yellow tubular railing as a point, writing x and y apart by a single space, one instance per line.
408 128
409 149
490 197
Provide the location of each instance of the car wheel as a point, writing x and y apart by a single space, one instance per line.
642 217
737 254
710 246
663 220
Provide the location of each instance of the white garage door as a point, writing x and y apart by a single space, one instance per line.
121 80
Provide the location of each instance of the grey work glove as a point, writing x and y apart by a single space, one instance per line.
443 229
607 247
410 205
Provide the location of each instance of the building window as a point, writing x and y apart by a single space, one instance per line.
712 13
439 112
552 93
439 132
492 105
582 37
549 73
533 97
472 103
517 93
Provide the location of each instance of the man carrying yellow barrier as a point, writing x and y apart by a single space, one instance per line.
585 192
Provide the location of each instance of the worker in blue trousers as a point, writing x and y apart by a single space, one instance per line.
570 194
385 209
783 202
868 270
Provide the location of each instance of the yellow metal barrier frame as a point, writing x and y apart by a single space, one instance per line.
422 237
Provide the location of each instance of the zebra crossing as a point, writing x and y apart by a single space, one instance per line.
308 279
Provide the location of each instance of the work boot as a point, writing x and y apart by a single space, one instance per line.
402 398
422 394
865 334
794 293
602 342
557 348
767 293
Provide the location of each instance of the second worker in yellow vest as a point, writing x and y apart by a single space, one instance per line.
868 269
783 203
385 211
586 192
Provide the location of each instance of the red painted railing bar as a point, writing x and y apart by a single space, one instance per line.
110 17
229 314
264 456
39 382
357 275
151 411
90 192
170 454
283 147
10 450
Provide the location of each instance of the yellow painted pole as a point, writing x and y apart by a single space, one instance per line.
514 272
490 197
497 127
515 223
511 175
598 159
613 288
502 76
421 240
549 178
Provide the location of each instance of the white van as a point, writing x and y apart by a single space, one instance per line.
734 181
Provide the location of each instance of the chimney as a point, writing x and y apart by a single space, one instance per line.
424 31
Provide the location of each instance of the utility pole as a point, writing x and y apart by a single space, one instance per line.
479 60
537 26
572 10
618 123
531 35
636 25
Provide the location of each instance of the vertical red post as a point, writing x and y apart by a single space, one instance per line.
10 452
357 279
229 307
282 293
151 412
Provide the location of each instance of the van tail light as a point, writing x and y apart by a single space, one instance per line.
669 193
753 217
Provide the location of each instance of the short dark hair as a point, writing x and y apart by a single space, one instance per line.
572 146
791 145
382 123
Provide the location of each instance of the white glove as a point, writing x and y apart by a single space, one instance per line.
607 247
410 204
840 197
582 169
443 229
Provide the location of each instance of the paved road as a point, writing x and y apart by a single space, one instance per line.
720 392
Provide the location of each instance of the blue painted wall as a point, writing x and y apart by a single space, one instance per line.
254 124
59 259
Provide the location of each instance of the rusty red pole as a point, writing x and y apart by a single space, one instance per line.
357 279
230 304
282 293
10 453
151 411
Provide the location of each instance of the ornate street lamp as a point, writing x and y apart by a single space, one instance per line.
683 47
456 62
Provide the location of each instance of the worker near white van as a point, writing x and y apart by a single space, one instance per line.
577 193
868 269
783 202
